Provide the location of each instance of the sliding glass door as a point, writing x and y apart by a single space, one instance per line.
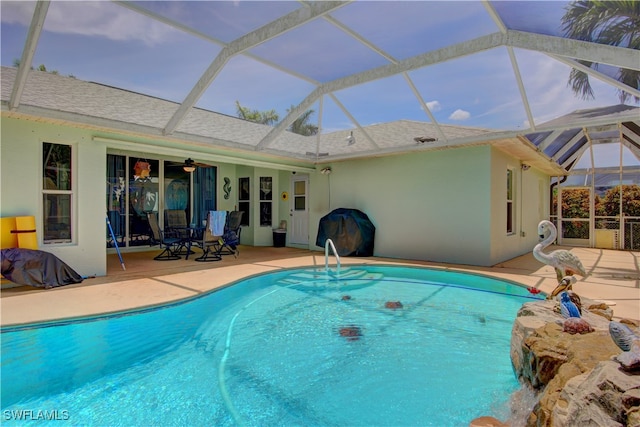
134 190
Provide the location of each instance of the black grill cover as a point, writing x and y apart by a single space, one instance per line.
36 268
350 230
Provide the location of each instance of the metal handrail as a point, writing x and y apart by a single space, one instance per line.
328 243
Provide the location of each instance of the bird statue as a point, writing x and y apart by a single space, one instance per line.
564 262
567 307
565 285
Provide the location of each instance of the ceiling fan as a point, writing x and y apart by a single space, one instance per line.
189 165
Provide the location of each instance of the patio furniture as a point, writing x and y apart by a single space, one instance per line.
231 236
211 241
171 245
175 225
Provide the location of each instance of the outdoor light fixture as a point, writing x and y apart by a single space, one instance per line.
189 165
325 171
351 139
423 139
525 167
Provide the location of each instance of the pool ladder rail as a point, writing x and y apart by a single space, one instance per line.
327 244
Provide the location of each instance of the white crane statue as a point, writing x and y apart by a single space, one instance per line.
564 262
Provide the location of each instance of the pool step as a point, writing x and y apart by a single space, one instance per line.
346 277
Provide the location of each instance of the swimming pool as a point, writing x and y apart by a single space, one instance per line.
287 348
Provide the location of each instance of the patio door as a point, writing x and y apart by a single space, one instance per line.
299 210
575 216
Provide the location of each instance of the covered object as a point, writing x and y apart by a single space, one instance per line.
36 268
350 230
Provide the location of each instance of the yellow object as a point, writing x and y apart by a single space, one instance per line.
607 239
285 196
9 239
18 232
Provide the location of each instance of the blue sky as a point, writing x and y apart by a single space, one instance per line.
103 42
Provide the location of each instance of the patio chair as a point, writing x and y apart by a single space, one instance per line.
231 236
175 225
211 242
170 244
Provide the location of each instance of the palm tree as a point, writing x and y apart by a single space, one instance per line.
614 23
301 125
269 117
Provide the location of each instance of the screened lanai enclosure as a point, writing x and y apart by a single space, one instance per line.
156 82
597 203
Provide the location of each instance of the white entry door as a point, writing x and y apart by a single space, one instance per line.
299 210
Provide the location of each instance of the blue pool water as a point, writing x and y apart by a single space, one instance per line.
268 351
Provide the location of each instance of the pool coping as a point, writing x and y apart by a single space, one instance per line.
101 296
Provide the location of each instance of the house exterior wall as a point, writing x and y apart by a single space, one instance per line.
21 185
21 188
428 205
443 206
530 207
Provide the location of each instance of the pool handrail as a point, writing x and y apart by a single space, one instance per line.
328 243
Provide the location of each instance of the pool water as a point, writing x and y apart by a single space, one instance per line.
272 351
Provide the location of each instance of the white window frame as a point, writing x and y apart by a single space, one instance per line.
49 191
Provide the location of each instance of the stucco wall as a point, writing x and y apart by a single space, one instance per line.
443 206
429 206
530 206
21 161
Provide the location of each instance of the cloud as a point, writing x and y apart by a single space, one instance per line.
17 12
434 106
459 115
92 18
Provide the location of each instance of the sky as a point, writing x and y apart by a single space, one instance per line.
107 43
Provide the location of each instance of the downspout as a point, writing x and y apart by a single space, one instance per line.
553 184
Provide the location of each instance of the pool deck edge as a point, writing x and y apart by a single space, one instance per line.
614 276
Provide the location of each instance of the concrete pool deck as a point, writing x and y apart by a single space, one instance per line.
613 276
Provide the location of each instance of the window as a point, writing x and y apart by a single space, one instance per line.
510 212
57 193
266 197
244 199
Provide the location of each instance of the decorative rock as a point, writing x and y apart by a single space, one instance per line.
487 422
576 325
601 309
546 359
393 304
631 403
351 333
602 397
630 360
534 315
629 322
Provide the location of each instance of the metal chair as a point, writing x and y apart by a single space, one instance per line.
175 225
170 244
231 236
210 244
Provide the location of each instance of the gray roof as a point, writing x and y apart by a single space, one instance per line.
80 103
67 98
